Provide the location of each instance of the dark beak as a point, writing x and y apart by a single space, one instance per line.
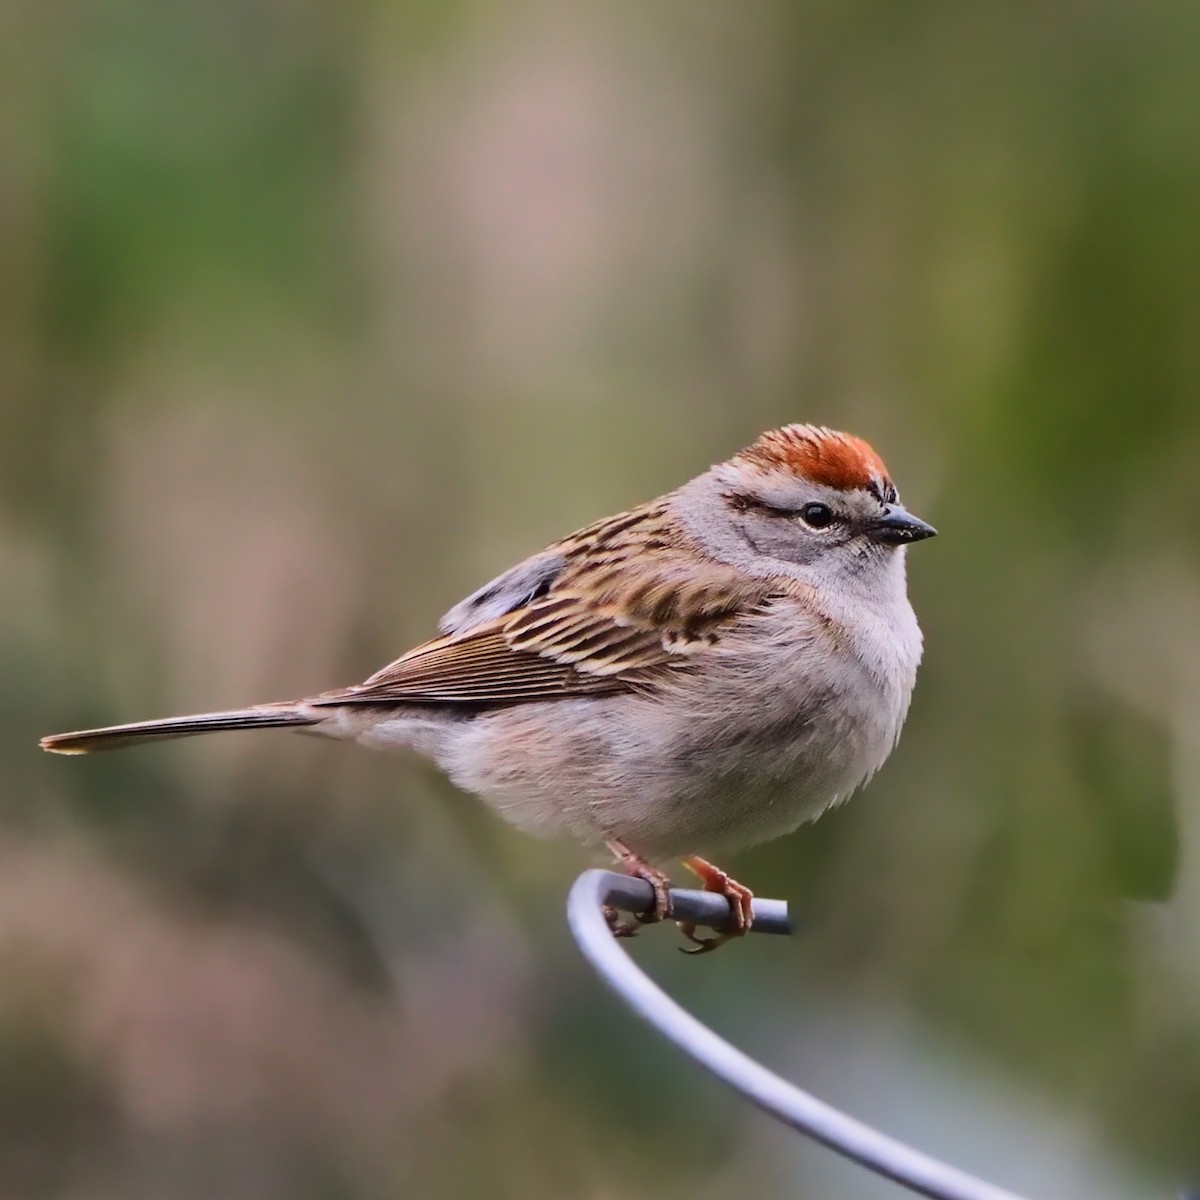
896 526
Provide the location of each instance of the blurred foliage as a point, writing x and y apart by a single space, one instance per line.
317 315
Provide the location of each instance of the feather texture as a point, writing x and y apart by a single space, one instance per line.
598 616
115 737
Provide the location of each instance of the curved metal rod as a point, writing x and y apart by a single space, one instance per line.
633 895
858 1142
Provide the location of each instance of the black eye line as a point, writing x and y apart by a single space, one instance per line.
744 503
741 502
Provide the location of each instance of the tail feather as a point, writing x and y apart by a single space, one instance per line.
115 737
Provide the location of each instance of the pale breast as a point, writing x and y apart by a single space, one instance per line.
785 718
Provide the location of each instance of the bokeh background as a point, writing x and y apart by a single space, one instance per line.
316 315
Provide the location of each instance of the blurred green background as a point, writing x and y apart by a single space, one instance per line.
316 315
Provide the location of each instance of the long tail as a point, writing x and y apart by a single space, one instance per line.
114 737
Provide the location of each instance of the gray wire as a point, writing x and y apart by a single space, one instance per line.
858 1142
702 908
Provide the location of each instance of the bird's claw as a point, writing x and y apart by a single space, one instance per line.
741 907
740 897
635 865
618 927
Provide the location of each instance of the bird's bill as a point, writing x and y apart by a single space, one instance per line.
897 526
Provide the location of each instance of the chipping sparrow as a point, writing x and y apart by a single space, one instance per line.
710 669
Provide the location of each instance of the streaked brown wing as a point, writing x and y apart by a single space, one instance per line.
621 631
481 668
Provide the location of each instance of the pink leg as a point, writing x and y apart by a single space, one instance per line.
740 898
634 864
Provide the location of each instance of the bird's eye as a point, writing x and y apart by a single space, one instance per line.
819 516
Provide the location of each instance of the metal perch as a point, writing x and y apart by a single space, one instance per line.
858 1142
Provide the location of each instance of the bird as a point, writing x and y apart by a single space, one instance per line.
703 672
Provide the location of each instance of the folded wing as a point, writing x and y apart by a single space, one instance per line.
604 618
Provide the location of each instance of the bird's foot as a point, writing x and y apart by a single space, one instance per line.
635 865
618 927
741 900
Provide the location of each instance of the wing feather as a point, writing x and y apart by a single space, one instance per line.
600 619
